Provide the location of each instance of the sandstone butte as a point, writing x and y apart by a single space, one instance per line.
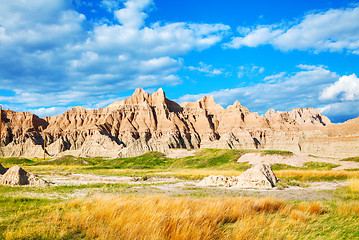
147 122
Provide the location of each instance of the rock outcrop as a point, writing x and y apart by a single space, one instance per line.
146 122
16 176
259 176
2 169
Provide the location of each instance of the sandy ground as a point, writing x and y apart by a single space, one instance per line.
177 187
294 160
81 179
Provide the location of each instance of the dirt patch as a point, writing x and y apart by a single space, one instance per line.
177 187
294 160
81 179
180 153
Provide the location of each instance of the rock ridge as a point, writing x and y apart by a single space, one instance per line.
151 122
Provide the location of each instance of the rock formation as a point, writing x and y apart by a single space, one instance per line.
259 176
2 169
16 176
147 122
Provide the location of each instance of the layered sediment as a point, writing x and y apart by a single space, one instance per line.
147 122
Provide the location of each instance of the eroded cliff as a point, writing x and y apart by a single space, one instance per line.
147 122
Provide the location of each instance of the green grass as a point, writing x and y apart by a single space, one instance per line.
16 161
319 165
219 159
279 166
206 158
70 160
307 166
351 159
149 160
12 207
278 152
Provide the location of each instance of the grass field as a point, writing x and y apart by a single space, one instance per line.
162 217
135 210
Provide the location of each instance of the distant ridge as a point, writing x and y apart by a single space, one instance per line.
151 122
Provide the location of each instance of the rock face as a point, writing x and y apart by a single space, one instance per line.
2 169
147 122
16 176
259 176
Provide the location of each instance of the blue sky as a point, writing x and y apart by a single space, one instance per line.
56 54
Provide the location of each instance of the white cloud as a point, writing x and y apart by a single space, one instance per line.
274 77
110 5
51 55
133 15
346 88
51 111
299 89
249 70
313 86
260 35
208 69
333 30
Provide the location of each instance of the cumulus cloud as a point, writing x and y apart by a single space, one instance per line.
133 15
346 88
341 111
333 30
299 89
52 55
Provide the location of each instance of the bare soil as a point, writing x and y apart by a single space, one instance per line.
294 160
178 187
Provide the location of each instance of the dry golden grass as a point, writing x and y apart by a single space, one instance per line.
353 185
316 174
161 217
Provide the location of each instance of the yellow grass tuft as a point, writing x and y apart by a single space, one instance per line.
162 217
312 208
353 185
348 208
316 173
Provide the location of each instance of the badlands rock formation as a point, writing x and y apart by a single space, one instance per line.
16 176
259 176
147 122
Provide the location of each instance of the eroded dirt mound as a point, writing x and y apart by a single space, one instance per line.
259 176
16 176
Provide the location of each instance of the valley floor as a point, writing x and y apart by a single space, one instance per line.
156 197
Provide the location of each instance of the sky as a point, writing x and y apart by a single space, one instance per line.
278 54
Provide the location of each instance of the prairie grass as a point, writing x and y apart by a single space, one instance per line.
70 160
351 159
317 175
278 152
16 160
161 217
353 185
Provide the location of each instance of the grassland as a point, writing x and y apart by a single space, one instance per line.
351 159
139 210
162 217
